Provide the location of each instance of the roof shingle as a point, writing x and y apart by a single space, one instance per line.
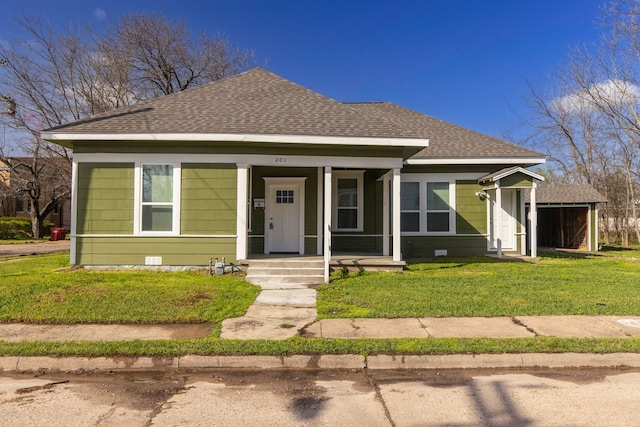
260 102
566 193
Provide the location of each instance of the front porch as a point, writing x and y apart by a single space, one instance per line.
335 213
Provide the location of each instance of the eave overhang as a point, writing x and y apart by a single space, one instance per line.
529 161
69 137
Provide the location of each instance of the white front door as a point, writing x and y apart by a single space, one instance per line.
505 231
284 215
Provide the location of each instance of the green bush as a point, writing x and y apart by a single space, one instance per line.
20 227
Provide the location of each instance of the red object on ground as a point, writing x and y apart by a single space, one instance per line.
58 234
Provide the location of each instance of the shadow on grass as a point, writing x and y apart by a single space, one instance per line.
617 249
568 253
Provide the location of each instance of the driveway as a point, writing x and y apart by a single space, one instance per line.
23 249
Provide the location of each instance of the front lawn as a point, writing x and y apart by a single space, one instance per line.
42 289
606 283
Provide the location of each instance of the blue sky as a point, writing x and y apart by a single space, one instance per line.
464 61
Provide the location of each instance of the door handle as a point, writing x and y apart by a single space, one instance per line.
270 226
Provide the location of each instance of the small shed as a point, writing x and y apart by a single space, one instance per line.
567 216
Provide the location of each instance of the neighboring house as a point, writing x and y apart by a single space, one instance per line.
255 164
568 216
15 203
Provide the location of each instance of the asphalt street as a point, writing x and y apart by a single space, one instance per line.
585 397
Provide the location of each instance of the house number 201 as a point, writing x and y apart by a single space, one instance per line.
281 160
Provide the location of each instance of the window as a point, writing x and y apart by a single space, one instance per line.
284 196
410 206
348 200
158 207
19 204
438 206
426 206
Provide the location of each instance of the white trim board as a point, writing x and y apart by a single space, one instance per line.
234 137
477 161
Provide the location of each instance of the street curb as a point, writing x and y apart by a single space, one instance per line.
345 361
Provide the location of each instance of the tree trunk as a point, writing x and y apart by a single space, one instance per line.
36 224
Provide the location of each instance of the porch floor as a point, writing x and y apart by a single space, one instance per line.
347 261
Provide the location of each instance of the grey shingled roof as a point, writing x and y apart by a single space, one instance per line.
253 102
566 193
260 102
447 140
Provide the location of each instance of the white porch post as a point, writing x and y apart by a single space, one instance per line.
74 212
397 256
385 215
534 222
241 212
523 224
499 219
327 221
319 222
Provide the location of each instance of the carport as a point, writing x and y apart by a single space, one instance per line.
567 216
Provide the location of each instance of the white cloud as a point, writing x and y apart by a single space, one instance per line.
616 92
100 14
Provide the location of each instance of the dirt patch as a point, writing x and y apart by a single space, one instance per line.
193 299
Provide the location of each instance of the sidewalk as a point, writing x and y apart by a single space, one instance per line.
496 327
38 248
436 327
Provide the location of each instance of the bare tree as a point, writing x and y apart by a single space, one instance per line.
57 76
164 58
590 121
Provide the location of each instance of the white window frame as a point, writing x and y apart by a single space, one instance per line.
358 175
423 179
175 203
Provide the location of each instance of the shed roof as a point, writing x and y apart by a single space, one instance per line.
565 193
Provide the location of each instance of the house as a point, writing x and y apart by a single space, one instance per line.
15 179
567 216
255 164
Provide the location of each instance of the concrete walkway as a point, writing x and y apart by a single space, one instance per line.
279 312
249 327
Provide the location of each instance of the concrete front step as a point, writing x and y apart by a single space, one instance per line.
286 263
284 280
290 273
286 271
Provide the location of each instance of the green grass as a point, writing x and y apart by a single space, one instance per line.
297 345
42 289
606 283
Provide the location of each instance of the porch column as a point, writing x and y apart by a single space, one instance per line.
534 222
385 215
397 256
319 222
327 221
498 219
74 212
523 224
241 212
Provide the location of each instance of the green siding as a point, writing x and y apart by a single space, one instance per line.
471 212
518 180
425 246
208 199
452 169
256 244
175 251
105 198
